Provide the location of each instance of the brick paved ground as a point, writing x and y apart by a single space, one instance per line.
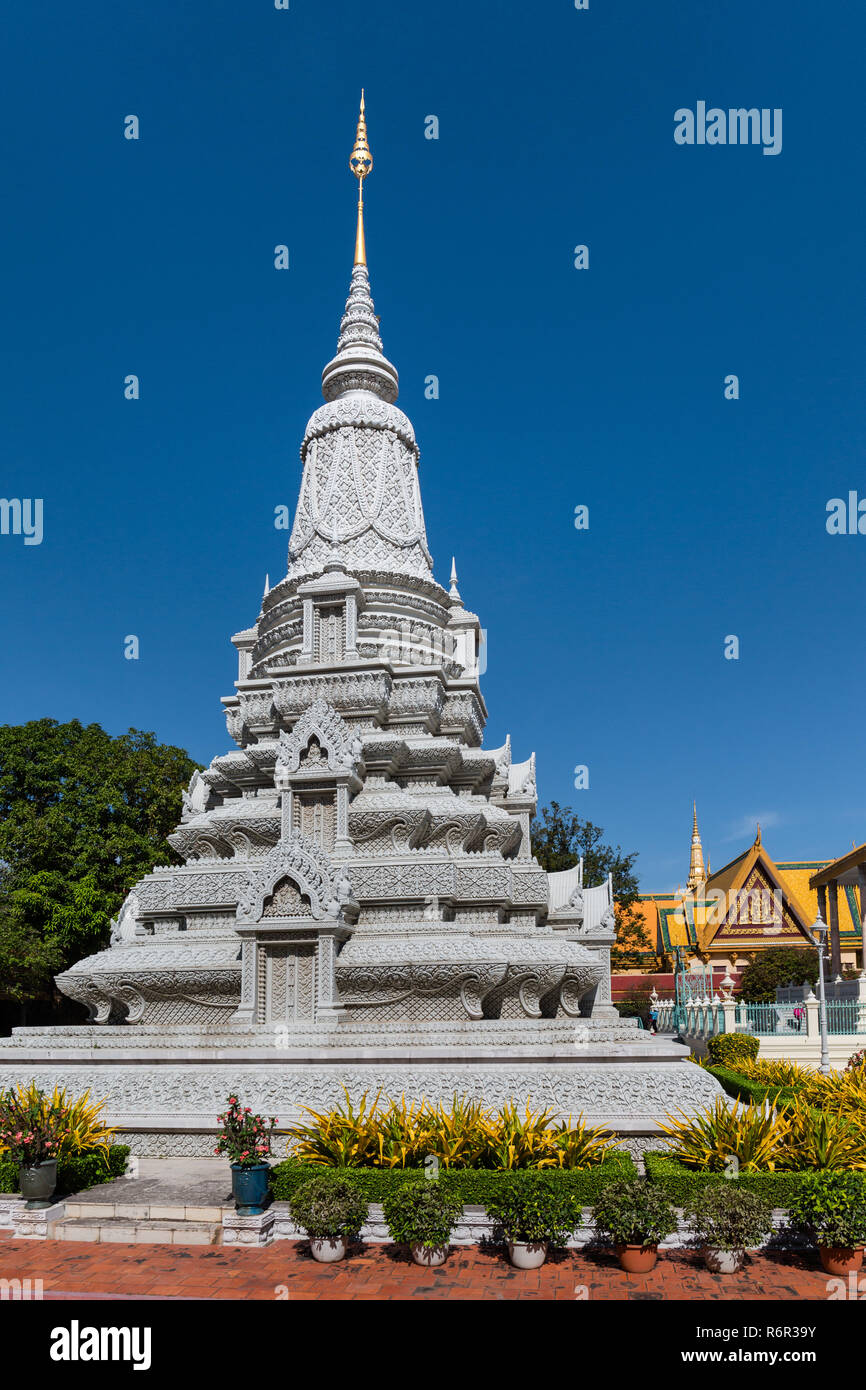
73 1270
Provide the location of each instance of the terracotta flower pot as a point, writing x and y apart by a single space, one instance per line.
424 1255
326 1249
527 1254
724 1261
838 1260
637 1259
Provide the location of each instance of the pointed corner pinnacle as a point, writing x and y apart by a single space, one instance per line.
267 586
454 592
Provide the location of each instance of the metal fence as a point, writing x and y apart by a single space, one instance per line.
704 1018
771 1020
845 1016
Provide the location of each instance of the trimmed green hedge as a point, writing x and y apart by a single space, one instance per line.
76 1173
682 1184
473 1186
743 1088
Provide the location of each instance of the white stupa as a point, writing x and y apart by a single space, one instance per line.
358 903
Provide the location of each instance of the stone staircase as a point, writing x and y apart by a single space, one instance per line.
141 1223
185 1207
167 1202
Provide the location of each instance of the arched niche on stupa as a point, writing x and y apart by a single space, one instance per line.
286 900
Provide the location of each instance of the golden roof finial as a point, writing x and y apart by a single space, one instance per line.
360 163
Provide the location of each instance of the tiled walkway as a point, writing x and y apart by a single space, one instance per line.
286 1270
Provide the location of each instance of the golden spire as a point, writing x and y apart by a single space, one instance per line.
360 163
697 872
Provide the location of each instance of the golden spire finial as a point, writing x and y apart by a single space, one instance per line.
360 163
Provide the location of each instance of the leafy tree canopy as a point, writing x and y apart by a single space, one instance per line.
560 839
780 965
83 814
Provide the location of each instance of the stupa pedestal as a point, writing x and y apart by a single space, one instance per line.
166 1086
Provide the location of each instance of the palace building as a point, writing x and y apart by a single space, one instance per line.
755 903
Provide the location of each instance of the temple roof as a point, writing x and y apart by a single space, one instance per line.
671 918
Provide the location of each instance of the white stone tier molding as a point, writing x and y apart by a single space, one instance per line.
168 1100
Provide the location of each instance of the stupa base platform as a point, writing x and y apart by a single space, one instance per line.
165 1086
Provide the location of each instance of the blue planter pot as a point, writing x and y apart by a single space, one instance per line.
250 1188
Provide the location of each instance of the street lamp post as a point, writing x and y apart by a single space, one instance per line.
818 937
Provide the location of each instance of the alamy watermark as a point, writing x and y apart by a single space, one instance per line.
846 516
77 1343
736 126
22 516
21 1290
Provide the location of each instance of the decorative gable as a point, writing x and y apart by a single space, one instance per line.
757 910
320 740
295 869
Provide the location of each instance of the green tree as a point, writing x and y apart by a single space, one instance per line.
26 961
559 839
781 965
83 814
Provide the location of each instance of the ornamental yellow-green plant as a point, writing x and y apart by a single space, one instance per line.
458 1136
520 1141
79 1128
579 1147
842 1092
822 1139
339 1138
402 1134
775 1072
753 1134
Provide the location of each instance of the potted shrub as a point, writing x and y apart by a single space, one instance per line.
725 1220
31 1129
533 1213
331 1212
633 1215
246 1138
831 1207
422 1215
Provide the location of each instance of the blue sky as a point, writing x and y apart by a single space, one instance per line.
559 387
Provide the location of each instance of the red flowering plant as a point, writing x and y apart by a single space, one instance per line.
32 1125
856 1060
246 1137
